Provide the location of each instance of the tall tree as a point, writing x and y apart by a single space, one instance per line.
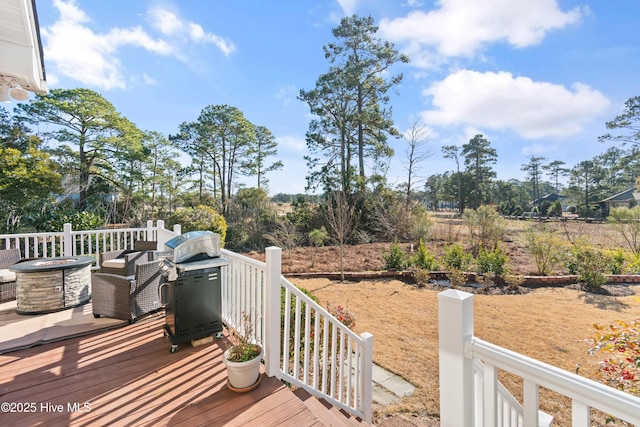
534 171
585 177
355 89
189 140
226 136
87 120
331 132
628 123
417 151
556 170
478 158
28 177
451 152
263 147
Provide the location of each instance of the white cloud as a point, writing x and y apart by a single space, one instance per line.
170 24
461 28
165 21
348 6
500 101
91 58
77 52
198 34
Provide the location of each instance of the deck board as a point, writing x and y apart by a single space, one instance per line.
128 377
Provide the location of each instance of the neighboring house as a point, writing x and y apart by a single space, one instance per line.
625 199
21 60
551 197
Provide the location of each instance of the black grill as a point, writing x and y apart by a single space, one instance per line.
193 288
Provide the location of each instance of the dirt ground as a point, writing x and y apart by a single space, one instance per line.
553 325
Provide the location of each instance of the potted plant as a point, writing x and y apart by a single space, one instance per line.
243 357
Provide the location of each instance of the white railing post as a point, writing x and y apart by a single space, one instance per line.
177 228
366 372
273 274
68 240
455 327
149 232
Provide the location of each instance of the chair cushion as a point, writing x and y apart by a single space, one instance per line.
114 263
7 276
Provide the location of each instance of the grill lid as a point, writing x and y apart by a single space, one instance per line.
194 245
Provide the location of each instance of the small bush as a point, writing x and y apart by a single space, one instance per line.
618 259
424 259
343 314
457 277
632 264
200 218
396 259
486 227
456 258
555 209
590 264
513 281
422 276
544 247
621 345
492 261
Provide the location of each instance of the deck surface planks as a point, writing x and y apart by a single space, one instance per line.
127 376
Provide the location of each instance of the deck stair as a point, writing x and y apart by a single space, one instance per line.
327 414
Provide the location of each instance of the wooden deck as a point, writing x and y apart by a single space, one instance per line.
127 377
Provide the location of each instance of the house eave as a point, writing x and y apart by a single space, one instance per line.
21 54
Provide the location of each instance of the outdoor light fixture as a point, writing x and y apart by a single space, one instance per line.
18 93
9 88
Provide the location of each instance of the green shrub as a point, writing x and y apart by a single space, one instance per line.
422 276
632 264
492 261
200 218
555 209
420 223
486 227
457 277
545 206
590 264
544 247
618 259
396 259
456 258
424 259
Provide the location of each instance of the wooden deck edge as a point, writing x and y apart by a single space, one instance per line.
326 413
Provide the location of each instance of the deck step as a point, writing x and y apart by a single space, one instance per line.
326 413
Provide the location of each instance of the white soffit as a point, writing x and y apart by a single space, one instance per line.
20 48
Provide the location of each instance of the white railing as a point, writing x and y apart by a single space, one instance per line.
85 242
461 395
304 344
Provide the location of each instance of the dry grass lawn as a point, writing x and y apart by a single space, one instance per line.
549 324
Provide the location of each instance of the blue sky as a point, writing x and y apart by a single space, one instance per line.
535 77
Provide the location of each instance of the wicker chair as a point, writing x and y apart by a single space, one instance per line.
123 263
8 257
145 245
120 298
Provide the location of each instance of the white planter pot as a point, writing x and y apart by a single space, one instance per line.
243 374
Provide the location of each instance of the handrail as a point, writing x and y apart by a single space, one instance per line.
79 242
316 351
461 395
584 390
